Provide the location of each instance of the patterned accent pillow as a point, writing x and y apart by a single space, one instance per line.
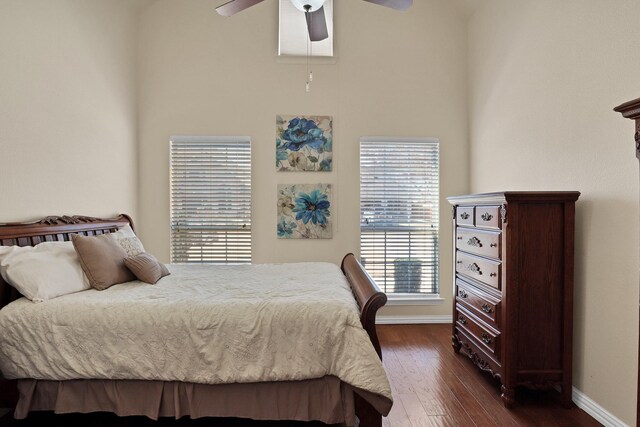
129 241
131 245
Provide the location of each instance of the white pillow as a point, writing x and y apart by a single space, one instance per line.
44 271
129 241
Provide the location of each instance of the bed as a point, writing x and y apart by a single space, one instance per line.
326 397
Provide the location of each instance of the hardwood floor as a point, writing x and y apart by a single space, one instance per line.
432 386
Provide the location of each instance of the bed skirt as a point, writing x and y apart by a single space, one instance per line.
326 399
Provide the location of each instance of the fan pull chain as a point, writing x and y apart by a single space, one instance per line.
310 71
308 85
307 8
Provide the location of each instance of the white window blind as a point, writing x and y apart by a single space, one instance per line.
211 200
399 193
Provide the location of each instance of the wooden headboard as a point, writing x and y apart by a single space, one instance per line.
52 229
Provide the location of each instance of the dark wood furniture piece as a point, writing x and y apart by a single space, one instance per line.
513 300
59 228
8 393
631 110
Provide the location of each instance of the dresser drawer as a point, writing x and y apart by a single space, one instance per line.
478 268
487 216
483 305
486 243
464 215
484 336
482 358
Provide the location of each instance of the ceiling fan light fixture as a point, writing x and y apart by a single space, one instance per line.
315 5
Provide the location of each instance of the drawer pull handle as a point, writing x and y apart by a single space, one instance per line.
487 308
459 262
474 241
486 216
475 268
493 245
464 215
459 237
462 320
486 339
462 294
493 275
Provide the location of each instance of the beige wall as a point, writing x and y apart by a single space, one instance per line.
395 75
67 108
544 77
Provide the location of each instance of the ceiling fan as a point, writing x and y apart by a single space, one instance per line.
313 10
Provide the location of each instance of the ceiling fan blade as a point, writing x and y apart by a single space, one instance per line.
235 6
393 4
317 25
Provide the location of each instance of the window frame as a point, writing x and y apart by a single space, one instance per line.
247 226
407 298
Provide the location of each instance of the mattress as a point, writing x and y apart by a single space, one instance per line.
203 325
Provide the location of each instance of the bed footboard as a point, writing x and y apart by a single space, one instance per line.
370 298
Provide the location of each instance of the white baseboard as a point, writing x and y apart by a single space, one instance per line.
406 320
600 414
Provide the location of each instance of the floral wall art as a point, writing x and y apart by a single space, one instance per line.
304 143
304 211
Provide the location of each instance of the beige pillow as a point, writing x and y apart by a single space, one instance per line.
146 267
102 260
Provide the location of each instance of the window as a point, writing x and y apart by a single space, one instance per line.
399 180
211 199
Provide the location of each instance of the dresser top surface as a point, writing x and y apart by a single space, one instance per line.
515 196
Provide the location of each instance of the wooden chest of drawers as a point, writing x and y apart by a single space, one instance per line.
513 287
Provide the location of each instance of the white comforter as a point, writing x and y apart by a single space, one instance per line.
202 324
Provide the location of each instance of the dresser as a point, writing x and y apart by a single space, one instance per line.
513 287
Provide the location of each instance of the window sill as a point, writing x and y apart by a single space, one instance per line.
414 299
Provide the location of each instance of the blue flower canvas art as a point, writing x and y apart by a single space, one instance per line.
304 211
304 143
